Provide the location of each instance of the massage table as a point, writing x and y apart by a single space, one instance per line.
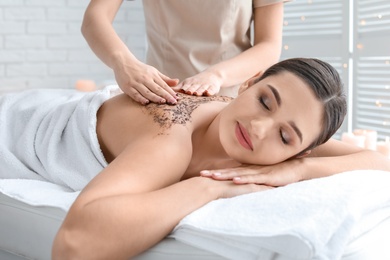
27 232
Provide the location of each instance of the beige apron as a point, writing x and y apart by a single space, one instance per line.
187 36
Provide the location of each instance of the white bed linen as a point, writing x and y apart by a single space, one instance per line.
307 220
312 219
26 232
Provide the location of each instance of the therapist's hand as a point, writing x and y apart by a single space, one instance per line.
145 84
276 175
205 83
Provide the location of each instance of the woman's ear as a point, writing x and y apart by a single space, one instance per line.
303 154
250 82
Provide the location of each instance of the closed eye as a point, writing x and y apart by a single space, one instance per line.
284 137
264 101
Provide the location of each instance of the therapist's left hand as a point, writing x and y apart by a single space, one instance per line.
205 83
275 175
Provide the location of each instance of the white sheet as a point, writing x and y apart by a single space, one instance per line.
318 216
26 232
307 220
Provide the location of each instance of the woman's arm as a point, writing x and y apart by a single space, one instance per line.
268 26
121 212
330 158
130 205
335 156
138 199
138 80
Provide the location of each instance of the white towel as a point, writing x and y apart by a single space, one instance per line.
307 220
39 193
50 135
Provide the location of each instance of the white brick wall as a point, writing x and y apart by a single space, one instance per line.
41 45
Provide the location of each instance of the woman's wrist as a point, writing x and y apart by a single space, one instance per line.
209 187
311 167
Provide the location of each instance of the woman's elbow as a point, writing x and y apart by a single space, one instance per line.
74 244
69 242
65 246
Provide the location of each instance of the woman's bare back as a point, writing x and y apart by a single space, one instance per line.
120 120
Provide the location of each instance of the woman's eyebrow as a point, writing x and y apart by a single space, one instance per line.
275 92
296 130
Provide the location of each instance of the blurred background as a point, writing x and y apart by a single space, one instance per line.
41 45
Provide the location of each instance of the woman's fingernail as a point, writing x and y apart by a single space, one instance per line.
205 172
236 178
216 174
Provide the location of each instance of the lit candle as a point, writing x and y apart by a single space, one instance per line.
85 85
371 137
350 138
384 147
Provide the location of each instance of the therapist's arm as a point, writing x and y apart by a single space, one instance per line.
268 26
141 82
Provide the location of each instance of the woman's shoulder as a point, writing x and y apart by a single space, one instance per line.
186 111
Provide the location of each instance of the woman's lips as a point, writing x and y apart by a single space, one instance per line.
243 137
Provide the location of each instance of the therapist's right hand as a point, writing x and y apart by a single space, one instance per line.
145 84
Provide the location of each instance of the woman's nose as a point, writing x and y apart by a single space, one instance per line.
262 127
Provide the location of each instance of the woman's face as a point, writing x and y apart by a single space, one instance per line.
271 121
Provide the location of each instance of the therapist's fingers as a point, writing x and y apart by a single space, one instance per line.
169 81
189 87
167 84
143 92
209 90
145 83
136 96
144 95
159 86
199 89
157 94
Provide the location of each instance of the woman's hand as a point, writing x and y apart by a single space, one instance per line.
228 189
205 83
273 175
145 84
233 190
